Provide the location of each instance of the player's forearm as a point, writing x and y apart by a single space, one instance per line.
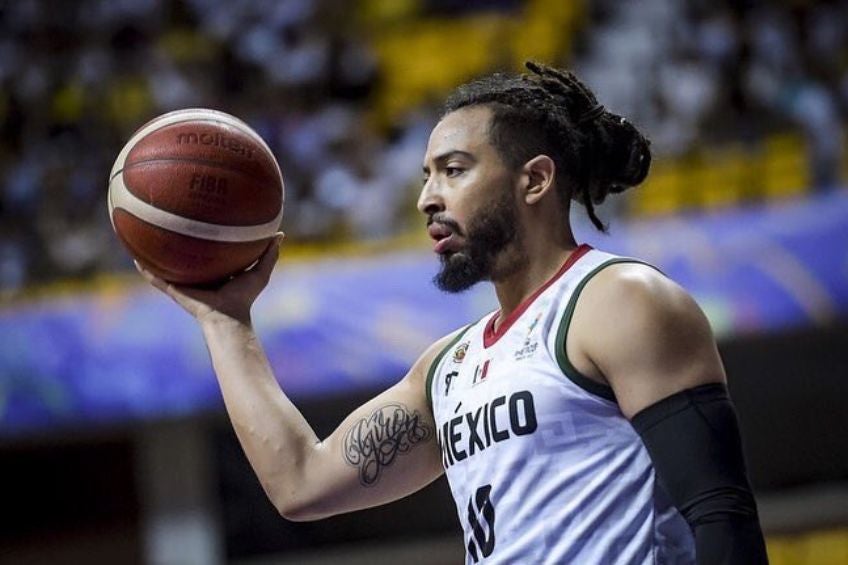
276 438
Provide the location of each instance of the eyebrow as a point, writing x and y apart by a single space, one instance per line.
448 155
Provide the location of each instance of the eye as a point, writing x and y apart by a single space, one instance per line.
453 171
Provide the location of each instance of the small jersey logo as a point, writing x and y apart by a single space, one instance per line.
459 352
481 372
533 324
449 379
528 349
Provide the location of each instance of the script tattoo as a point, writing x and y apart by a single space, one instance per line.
374 442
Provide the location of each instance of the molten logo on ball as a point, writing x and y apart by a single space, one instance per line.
216 139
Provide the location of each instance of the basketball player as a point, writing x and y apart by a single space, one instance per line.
585 422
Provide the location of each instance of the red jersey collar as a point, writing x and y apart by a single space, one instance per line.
490 336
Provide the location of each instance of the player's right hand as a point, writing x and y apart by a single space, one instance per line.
230 301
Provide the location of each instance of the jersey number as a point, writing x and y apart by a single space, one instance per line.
481 518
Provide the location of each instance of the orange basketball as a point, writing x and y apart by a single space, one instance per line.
196 196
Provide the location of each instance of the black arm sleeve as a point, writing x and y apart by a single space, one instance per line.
693 440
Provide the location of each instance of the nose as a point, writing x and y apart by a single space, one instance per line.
430 200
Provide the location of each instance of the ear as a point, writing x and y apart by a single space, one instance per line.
539 173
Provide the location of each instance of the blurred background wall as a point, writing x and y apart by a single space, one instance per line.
113 444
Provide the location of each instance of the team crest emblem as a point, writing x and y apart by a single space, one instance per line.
459 352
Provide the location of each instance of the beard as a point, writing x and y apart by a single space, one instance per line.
489 234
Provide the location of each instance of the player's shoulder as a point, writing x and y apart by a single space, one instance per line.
431 355
430 358
636 287
636 298
416 383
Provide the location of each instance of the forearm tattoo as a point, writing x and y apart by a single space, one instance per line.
373 443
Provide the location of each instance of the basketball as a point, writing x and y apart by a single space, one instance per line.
195 196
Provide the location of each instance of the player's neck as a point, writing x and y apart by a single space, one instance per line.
543 261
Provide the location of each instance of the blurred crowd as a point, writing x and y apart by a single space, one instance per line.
76 78
705 72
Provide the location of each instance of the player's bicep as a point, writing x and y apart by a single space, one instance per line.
650 339
382 433
382 451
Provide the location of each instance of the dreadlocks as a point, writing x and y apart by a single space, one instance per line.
551 112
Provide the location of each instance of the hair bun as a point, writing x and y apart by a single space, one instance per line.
628 154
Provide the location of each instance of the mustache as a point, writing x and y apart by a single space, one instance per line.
443 219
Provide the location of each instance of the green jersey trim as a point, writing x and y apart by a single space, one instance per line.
434 366
568 369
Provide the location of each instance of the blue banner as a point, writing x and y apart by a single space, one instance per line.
343 324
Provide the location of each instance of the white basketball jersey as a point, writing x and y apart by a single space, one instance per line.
543 466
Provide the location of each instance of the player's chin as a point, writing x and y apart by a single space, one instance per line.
453 256
458 272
